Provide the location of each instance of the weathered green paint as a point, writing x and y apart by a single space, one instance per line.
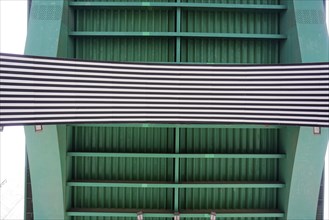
46 174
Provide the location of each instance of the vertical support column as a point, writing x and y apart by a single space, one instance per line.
301 171
48 36
178 30
176 193
304 25
43 149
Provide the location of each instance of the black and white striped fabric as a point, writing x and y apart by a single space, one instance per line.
37 90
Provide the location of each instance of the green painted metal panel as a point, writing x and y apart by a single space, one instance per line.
169 33
173 169
123 139
230 22
229 140
122 198
126 49
229 51
196 199
229 169
142 20
122 169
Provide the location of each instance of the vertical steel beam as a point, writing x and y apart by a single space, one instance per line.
307 41
176 190
178 30
48 36
301 170
304 25
46 175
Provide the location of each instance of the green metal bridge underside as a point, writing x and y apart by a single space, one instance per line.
108 171
113 171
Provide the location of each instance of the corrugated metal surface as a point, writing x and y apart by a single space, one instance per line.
229 51
175 20
228 199
125 20
239 22
194 141
126 49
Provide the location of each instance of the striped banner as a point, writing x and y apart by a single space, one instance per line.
36 90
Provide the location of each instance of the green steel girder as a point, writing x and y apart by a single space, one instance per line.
176 185
178 30
183 5
176 190
242 126
219 214
177 34
176 156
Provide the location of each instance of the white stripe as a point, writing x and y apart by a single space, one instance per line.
166 66
24 73
166 88
176 105
261 100
175 110
162 70
180 83
319 89
242 92
146 115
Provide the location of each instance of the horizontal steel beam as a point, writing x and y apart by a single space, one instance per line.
221 214
186 156
183 5
179 185
176 34
226 126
